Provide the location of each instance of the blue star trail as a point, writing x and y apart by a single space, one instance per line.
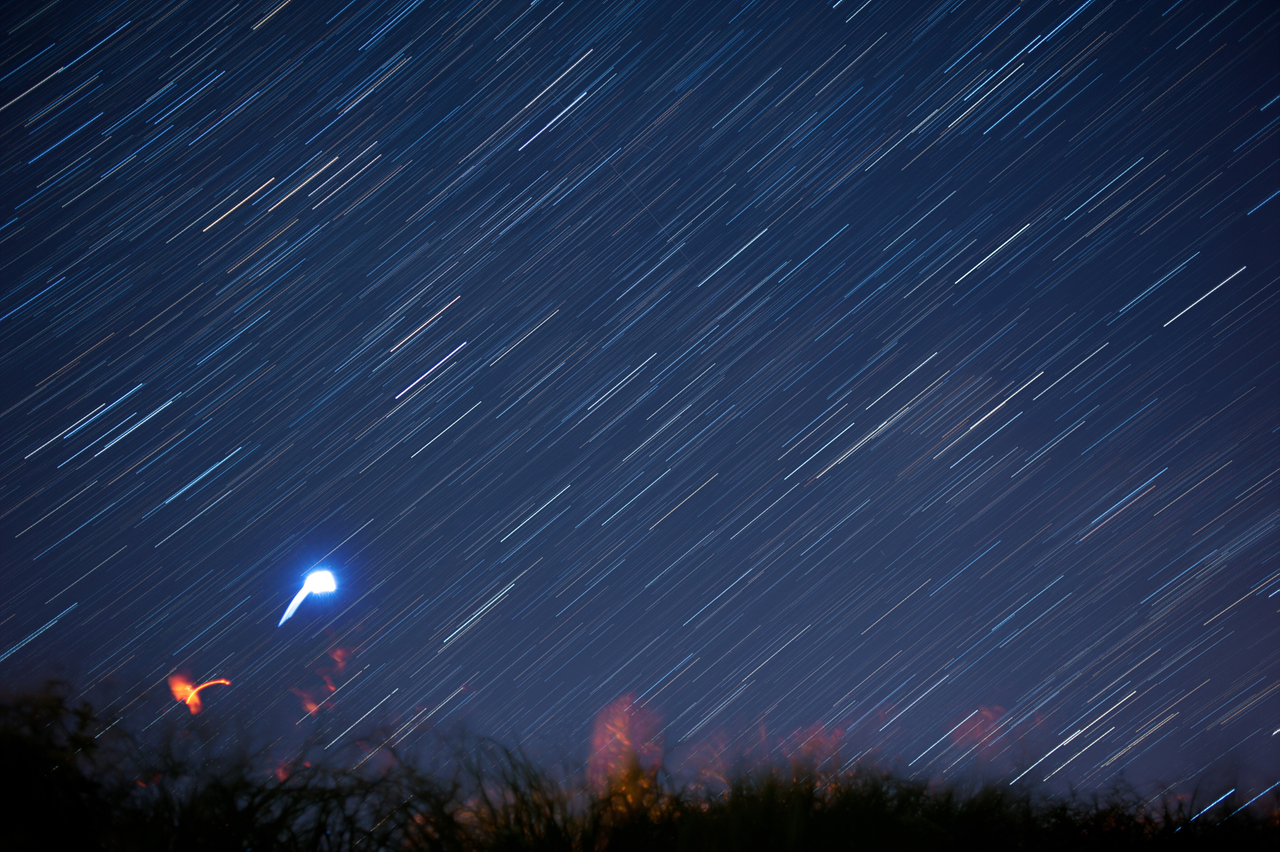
903 369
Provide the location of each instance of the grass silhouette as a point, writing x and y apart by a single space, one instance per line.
76 781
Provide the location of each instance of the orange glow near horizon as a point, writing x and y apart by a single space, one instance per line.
308 703
184 691
624 732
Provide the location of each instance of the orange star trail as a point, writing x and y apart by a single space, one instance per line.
894 379
187 694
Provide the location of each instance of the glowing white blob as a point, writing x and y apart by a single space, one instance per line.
317 581
320 581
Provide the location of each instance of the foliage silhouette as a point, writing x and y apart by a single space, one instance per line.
76 781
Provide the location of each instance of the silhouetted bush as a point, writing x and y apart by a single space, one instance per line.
50 798
77 782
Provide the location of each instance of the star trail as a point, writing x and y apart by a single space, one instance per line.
897 371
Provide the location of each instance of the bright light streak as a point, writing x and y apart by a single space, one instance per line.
317 581
188 693
432 370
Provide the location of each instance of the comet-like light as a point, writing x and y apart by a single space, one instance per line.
317 581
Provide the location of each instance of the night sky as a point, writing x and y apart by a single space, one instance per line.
899 375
